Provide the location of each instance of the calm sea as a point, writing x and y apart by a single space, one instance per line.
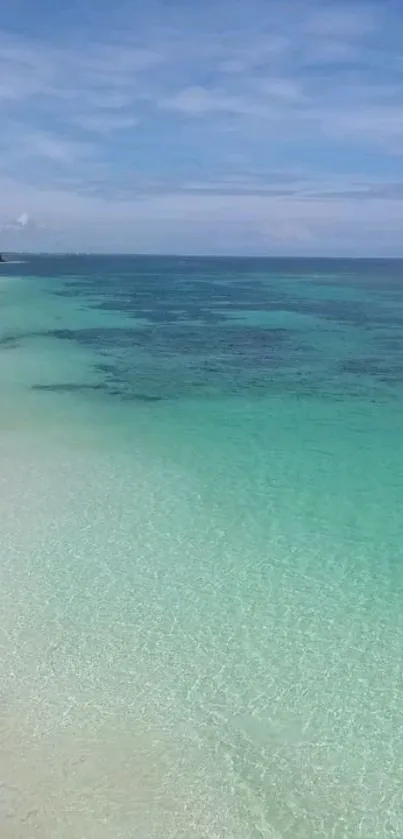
201 533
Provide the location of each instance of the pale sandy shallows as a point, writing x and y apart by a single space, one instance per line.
83 751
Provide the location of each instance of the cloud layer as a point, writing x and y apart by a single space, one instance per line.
248 127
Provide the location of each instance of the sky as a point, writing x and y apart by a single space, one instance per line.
210 127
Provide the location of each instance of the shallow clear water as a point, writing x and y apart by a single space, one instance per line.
201 544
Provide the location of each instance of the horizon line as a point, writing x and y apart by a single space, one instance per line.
142 255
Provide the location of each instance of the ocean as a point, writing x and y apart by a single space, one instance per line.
201 592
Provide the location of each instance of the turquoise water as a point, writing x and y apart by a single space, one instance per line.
202 554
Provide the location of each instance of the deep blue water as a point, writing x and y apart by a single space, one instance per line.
231 325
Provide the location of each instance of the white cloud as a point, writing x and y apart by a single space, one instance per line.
22 222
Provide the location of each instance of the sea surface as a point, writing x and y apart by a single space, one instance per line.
201 548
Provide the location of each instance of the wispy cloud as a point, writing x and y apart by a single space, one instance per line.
53 148
267 95
104 123
347 21
198 101
24 72
369 125
272 121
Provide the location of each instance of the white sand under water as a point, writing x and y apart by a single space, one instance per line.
170 671
87 747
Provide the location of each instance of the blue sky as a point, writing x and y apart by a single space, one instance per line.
234 126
